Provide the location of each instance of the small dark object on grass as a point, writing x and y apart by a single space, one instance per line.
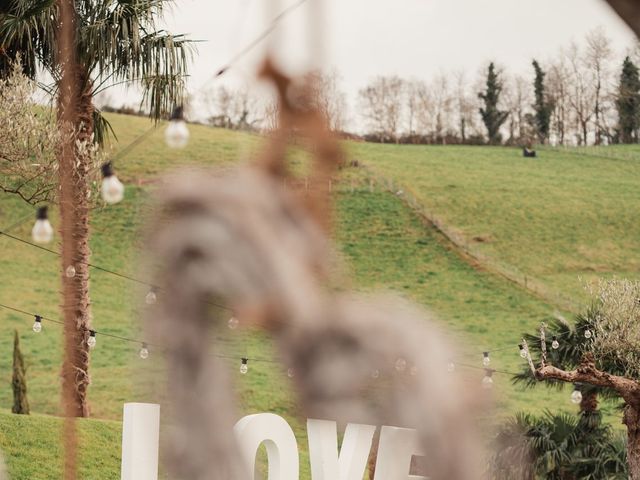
528 153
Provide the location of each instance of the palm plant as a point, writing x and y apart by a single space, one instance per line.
115 41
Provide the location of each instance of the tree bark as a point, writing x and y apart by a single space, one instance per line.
631 419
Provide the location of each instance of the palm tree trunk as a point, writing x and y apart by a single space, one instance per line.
74 234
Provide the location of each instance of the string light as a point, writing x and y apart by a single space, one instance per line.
290 372
233 323
413 371
587 334
451 367
91 341
487 381
576 395
177 134
144 351
151 297
554 343
486 361
244 367
375 373
523 352
70 272
112 189
37 324
42 231
401 364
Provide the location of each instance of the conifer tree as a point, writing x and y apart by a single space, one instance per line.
628 102
19 380
542 106
492 117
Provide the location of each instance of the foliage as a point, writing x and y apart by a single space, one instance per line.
118 41
19 379
628 102
557 447
492 117
542 106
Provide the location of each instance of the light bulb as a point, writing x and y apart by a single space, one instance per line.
112 189
576 397
487 381
375 373
151 297
37 325
587 333
42 231
401 364
486 361
451 367
91 341
144 351
177 134
290 372
244 368
555 344
233 323
413 371
523 352
70 272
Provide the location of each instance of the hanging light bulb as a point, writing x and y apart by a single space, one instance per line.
91 341
523 352
37 325
587 333
401 364
413 371
244 368
375 373
144 351
233 323
487 381
451 367
70 272
290 372
576 395
112 189
485 359
42 231
554 343
177 134
151 296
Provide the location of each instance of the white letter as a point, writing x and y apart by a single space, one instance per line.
140 439
277 436
350 464
395 449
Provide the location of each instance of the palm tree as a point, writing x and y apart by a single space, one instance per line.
116 41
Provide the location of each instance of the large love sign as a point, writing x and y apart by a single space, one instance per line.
396 447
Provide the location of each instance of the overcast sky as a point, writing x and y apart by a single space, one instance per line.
410 38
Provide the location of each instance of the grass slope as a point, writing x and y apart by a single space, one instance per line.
385 245
564 216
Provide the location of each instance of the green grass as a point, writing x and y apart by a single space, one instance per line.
563 218
480 191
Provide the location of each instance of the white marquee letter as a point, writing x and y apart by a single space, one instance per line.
396 447
326 463
279 440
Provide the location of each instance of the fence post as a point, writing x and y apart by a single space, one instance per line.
140 441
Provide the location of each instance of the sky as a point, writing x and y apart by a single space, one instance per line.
365 38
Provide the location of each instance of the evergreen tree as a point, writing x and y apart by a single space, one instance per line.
492 117
19 380
542 106
628 102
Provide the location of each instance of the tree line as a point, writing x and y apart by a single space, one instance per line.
585 95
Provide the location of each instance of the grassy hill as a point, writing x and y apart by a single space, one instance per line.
385 244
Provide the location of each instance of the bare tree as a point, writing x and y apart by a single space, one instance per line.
517 96
443 103
582 93
598 55
381 106
233 108
558 91
328 98
465 104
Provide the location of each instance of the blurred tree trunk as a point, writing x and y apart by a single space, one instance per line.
19 380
